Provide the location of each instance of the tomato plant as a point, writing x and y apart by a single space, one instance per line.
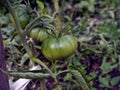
22 14
58 48
93 66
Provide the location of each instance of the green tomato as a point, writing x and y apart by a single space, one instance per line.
22 14
39 34
59 48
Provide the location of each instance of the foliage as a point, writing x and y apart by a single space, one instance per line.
95 63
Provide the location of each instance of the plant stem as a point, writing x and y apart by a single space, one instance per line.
41 63
58 22
42 85
18 27
23 40
115 49
62 72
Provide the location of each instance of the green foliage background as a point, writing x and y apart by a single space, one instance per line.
96 25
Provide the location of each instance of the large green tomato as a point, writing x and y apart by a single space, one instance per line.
22 14
39 34
59 48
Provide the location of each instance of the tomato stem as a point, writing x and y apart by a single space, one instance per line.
58 21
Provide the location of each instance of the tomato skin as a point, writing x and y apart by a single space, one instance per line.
22 14
59 48
39 34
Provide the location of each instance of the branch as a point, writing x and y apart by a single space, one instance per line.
58 22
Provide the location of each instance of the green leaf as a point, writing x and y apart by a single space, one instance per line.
80 79
107 66
92 75
33 74
91 8
58 88
40 4
67 77
92 88
24 58
115 80
4 20
84 3
110 30
44 11
105 81
38 47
